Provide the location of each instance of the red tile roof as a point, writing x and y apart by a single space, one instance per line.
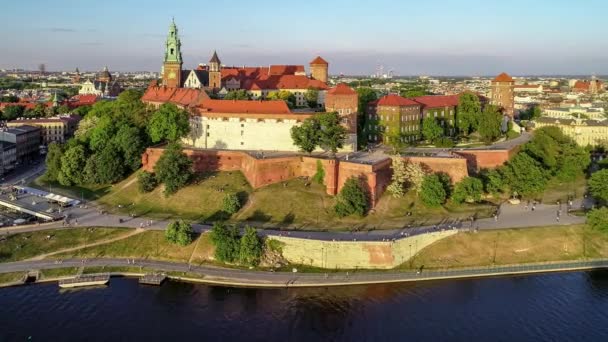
504 77
342 89
394 100
283 82
244 106
318 61
436 101
179 96
28 105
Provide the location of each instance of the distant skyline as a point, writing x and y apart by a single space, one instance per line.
465 38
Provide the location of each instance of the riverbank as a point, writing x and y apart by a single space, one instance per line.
259 279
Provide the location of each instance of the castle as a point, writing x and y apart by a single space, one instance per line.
256 124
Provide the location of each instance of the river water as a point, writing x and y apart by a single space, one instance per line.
553 307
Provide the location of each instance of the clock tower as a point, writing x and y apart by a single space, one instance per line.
172 64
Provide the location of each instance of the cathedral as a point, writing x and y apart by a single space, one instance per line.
256 124
104 85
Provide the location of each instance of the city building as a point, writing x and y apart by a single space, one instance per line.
8 157
577 112
502 94
593 86
26 139
55 129
442 108
343 100
584 132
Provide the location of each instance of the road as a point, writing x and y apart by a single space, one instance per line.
252 278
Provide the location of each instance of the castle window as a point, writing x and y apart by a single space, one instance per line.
172 51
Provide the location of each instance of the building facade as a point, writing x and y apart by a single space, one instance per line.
502 94
584 132
8 155
394 117
26 138
102 86
55 129
172 63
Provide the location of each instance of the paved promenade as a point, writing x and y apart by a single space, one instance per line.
236 277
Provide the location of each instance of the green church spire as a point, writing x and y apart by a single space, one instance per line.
173 45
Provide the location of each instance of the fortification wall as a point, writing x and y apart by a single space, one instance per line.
456 168
487 159
356 254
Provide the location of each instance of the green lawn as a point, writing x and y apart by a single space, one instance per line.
59 272
8 278
200 201
513 246
147 245
28 245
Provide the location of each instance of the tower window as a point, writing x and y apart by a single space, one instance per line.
172 51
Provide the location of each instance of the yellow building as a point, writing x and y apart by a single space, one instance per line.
584 132
56 129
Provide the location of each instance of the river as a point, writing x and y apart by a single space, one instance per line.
551 307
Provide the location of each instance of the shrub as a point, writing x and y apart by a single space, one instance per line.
598 185
231 204
173 168
146 182
179 233
444 142
352 199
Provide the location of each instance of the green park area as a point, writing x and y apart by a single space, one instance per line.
513 246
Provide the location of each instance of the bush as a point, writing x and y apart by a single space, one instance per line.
179 233
469 189
352 199
444 142
598 219
231 204
433 193
173 168
146 182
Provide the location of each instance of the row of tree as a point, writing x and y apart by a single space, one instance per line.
322 130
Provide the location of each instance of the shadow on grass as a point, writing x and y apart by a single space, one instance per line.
288 219
259 216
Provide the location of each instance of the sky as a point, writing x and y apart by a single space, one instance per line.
430 37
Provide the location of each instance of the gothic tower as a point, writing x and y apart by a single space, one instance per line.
172 64
215 72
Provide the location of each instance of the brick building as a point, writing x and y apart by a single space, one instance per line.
345 101
393 117
502 94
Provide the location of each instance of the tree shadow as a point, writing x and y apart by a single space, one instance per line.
259 216
243 197
288 219
219 215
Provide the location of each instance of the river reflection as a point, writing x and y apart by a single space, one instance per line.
552 307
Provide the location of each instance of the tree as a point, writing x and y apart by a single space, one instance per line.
284 95
493 181
415 174
174 169
53 162
63 109
168 123
306 136
525 175
433 192
399 178
365 95
12 112
231 203
9 98
129 140
598 219
468 113
469 189
323 130
598 185
240 94
109 166
572 162
311 96
226 242
146 182
331 134
36 112
250 248
73 162
179 233
352 199
532 113
431 130
489 124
